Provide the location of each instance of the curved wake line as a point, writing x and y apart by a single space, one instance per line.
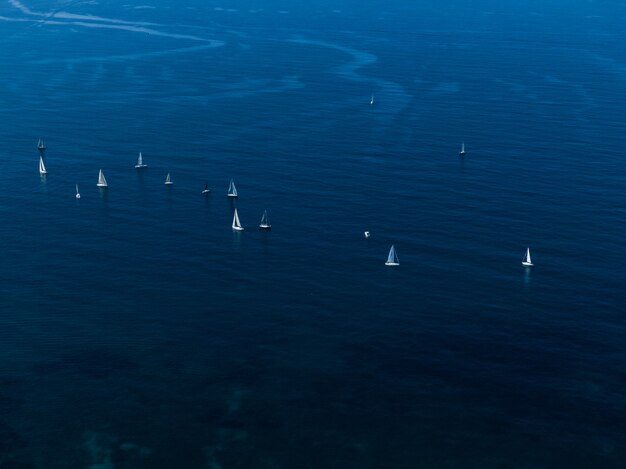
72 16
90 21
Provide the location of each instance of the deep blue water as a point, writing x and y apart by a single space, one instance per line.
137 330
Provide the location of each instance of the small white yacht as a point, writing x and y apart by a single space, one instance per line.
236 223
367 234
462 152
77 193
265 223
42 167
232 190
392 258
140 164
168 180
527 262
206 190
102 182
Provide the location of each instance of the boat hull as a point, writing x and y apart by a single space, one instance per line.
392 264
232 196
139 166
102 185
237 228
527 264
265 227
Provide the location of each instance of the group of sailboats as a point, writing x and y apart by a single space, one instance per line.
264 225
392 258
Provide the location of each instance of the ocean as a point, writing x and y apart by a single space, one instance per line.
137 330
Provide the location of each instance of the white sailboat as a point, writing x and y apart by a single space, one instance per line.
232 190
372 100
527 262
367 234
41 146
392 258
236 223
206 190
102 182
265 223
77 193
42 167
168 180
462 152
140 164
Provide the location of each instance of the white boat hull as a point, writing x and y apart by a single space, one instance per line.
102 185
237 228
169 183
527 264
232 195
265 227
139 166
392 263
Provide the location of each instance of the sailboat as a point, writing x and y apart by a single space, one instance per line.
77 193
168 180
102 182
372 100
527 262
236 223
392 258
140 164
462 152
367 234
232 190
206 190
41 146
42 167
265 223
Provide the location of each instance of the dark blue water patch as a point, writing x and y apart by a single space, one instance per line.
139 331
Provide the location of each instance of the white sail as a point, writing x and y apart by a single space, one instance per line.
462 152
42 167
77 193
140 163
102 182
527 261
232 190
265 223
392 258
168 180
236 223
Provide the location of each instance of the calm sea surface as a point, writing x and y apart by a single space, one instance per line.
137 330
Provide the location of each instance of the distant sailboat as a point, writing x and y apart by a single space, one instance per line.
236 223
41 146
392 258
527 262
206 190
462 152
77 193
232 190
168 180
372 100
102 182
265 223
367 234
140 164
42 167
